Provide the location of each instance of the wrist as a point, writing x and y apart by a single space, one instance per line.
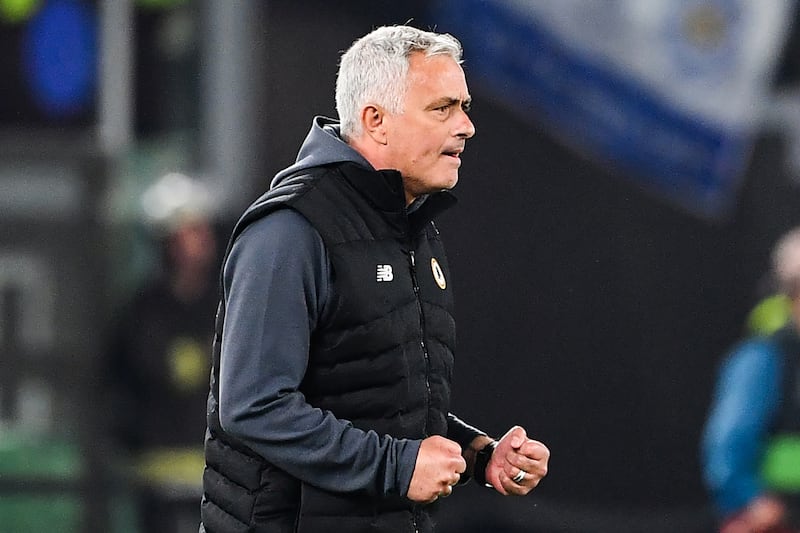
482 458
471 451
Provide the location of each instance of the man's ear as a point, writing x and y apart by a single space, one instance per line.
373 121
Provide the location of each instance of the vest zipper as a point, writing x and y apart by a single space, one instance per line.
422 343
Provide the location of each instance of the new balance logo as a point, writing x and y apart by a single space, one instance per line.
384 273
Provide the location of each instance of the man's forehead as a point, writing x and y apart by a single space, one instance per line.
419 60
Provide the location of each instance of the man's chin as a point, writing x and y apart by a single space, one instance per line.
451 183
446 182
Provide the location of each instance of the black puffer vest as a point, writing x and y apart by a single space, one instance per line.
383 359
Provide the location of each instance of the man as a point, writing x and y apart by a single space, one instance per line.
329 404
751 442
157 357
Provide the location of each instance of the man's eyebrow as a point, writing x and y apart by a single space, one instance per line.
449 101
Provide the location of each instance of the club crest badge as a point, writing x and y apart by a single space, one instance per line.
438 275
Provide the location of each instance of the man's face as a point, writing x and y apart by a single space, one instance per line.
425 141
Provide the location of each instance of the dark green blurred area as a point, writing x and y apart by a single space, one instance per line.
47 472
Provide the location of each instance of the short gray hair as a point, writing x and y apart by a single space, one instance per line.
786 263
375 67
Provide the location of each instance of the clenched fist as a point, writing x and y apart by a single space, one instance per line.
439 467
517 464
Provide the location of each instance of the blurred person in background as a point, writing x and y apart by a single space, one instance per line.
159 357
334 347
772 308
751 441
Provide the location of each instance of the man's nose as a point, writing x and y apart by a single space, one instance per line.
465 127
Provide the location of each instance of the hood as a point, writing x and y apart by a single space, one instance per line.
322 146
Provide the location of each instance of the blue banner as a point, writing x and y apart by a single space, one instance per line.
667 91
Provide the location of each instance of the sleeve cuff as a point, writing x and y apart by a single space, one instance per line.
407 451
461 432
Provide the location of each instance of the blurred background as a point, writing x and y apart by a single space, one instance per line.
634 162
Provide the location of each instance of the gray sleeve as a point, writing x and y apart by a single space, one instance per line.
276 281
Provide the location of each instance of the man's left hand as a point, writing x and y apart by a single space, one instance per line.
517 464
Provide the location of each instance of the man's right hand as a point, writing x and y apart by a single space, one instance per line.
439 467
